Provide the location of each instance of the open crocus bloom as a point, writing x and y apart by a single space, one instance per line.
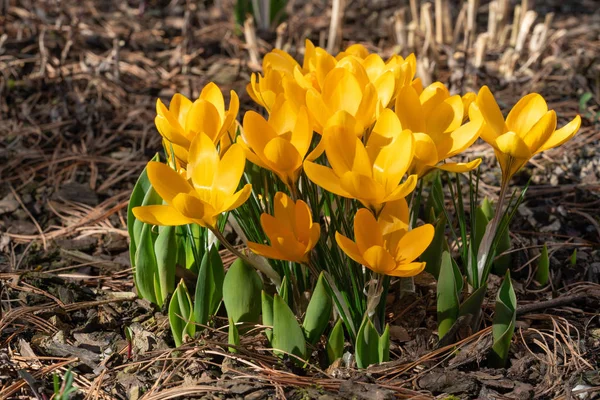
343 91
280 144
528 130
385 245
208 191
291 231
183 120
369 174
436 119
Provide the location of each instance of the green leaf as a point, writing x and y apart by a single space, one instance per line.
335 342
135 200
180 314
584 99
573 260
267 314
487 208
146 269
367 345
318 312
284 291
448 302
384 345
241 292
502 264
432 256
481 222
542 275
165 249
209 286
472 305
503 325
234 336
287 334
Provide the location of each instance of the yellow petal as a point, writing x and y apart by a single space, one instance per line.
394 217
213 95
264 250
366 231
386 128
363 188
314 235
290 248
341 91
203 117
487 106
540 132
379 260
414 243
460 167
168 126
324 177
433 96
368 109
460 139
409 110
282 155
257 132
179 107
393 160
562 135
166 181
284 211
160 215
374 66
385 85
403 190
231 115
511 144
317 151
407 270
425 149
346 152
203 162
302 132
238 198
192 207
230 170
349 247
318 110
303 221
526 113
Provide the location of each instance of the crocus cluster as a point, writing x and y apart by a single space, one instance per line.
357 126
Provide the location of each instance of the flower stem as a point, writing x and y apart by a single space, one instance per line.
264 268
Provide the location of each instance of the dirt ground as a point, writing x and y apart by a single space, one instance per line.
78 86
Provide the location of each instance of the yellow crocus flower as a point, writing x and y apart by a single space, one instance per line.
184 120
436 119
281 143
291 231
528 130
385 245
369 174
343 91
208 191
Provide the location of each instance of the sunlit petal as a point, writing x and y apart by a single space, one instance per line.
414 243
349 247
160 215
324 177
166 181
366 230
562 135
526 113
379 260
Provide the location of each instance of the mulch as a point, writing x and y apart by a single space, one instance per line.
78 86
